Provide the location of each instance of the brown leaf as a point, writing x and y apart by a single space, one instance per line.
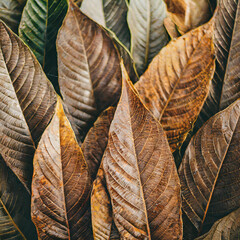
225 86
171 28
96 140
227 228
140 173
188 14
61 184
176 83
89 70
27 101
209 172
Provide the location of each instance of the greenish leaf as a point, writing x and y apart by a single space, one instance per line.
39 26
145 19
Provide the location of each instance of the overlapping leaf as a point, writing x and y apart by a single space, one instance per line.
176 83
11 11
140 173
27 101
89 70
227 228
189 14
61 184
209 172
111 14
225 86
148 35
15 219
39 26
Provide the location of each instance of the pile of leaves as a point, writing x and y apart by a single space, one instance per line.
137 133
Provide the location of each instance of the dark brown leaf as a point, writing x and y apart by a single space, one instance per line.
140 173
61 184
176 83
209 172
89 70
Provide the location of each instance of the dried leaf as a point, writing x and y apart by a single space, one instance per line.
96 140
171 28
227 228
209 172
148 34
225 86
188 14
15 219
89 70
140 173
61 184
38 28
176 83
111 14
27 101
11 11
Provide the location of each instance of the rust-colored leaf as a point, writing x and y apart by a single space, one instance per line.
89 69
96 140
140 173
61 184
209 172
27 101
176 83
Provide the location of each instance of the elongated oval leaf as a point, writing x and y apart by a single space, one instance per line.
61 184
148 35
225 86
27 101
189 14
39 26
176 83
89 70
227 228
209 172
140 173
15 219
111 14
11 11
96 140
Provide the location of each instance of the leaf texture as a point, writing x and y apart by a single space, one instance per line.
27 101
15 219
111 14
96 140
176 83
39 26
227 228
209 172
140 173
89 69
188 14
148 35
11 11
225 86
61 184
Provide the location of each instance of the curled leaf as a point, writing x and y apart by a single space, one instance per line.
61 184
176 83
140 173
209 172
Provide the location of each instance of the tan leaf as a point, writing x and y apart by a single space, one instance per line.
176 83
140 173
61 184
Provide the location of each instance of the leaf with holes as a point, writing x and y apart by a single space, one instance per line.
140 173
176 83
39 26
209 172
148 35
89 69
61 184
27 101
111 14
